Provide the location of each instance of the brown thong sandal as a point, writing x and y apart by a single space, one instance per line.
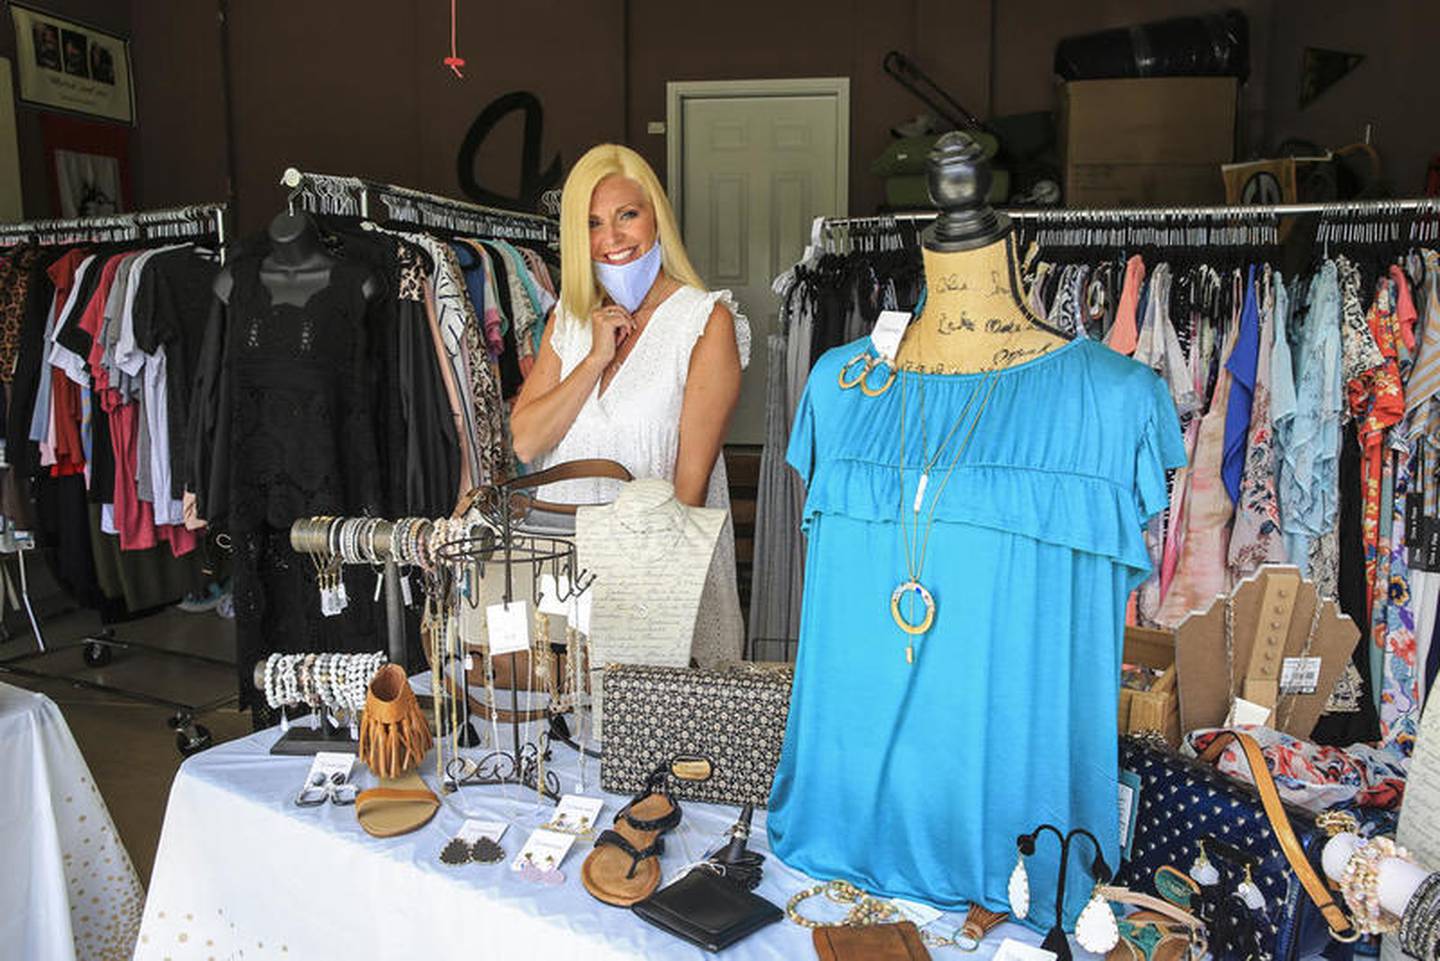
624 867
397 806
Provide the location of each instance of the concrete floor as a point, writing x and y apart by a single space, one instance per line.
128 745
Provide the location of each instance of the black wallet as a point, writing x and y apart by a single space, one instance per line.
705 909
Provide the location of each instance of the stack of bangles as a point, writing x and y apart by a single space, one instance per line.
338 682
1420 925
1360 884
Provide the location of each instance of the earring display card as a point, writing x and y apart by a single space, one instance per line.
552 590
472 831
329 763
545 849
576 814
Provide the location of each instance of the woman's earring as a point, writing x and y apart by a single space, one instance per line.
1202 870
1096 929
1019 889
1249 892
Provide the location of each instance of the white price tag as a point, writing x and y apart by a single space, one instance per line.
1300 675
920 914
889 329
509 627
327 763
551 590
1245 712
405 590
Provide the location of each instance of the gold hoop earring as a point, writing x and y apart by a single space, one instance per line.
865 380
847 382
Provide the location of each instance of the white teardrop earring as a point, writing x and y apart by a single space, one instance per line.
1019 889
1249 892
1202 870
1096 929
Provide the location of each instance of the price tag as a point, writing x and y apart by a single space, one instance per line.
889 329
1244 712
405 590
551 590
1300 675
508 627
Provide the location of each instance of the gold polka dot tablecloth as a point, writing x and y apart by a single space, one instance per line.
72 893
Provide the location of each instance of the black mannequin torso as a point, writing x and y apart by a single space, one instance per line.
297 266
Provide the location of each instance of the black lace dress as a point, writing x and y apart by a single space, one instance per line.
282 429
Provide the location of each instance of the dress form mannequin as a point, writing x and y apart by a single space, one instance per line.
974 318
297 265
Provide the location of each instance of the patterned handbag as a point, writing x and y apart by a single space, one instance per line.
1179 802
719 731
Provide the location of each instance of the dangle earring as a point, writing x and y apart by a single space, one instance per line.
1019 888
1249 892
1204 873
1096 929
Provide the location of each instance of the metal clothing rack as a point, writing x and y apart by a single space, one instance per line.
353 196
195 220
1359 221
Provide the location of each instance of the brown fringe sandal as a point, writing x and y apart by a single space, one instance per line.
394 738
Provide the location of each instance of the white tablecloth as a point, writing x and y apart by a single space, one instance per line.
242 872
70 891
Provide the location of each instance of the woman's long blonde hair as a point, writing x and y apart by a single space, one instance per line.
579 290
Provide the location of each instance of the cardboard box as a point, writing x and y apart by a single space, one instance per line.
1146 142
1157 709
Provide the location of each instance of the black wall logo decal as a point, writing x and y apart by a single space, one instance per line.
533 181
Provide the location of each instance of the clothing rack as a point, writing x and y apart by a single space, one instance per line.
335 194
1364 221
191 221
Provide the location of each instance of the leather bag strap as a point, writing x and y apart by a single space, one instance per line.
1340 927
570 470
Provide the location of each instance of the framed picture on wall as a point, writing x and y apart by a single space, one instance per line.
89 166
64 65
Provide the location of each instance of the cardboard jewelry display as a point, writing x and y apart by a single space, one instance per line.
1274 610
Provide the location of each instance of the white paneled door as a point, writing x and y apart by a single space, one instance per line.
751 165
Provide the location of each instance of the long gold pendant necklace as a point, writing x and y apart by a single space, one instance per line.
912 589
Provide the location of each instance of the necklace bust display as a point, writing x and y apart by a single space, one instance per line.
650 555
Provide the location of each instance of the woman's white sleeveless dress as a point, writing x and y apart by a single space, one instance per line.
637 423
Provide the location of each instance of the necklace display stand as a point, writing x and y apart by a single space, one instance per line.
1272 619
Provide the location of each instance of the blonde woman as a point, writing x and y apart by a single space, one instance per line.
639 364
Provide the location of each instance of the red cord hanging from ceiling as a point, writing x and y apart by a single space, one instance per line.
454 61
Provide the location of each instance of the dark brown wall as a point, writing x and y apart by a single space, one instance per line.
1394 90
34 178
814 38
356 86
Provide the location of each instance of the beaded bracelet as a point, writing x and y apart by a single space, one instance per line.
271 693
1360 884
1420 924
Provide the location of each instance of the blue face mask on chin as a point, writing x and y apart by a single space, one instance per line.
627 284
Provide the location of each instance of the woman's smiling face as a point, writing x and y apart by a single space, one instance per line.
622 222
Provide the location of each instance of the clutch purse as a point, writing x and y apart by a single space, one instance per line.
707 910
719 731
872 942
